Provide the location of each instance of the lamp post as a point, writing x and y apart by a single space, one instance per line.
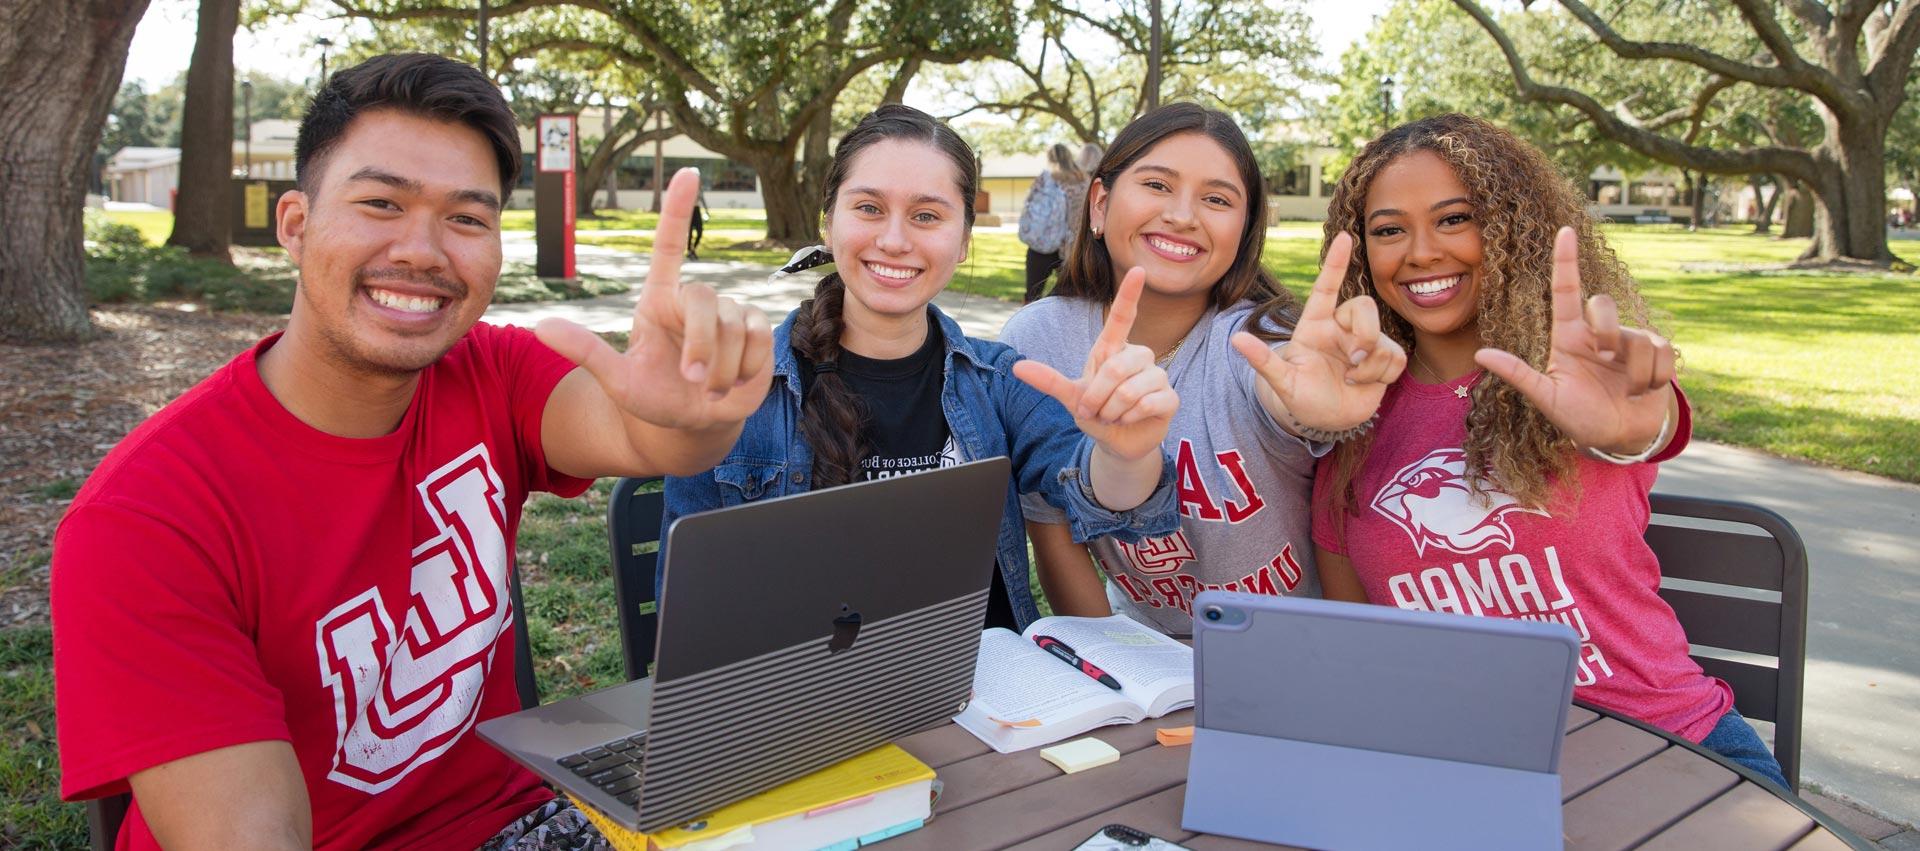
1386 102
324 44
246 100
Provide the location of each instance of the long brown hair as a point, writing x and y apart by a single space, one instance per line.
832 420
1520 202
1090 272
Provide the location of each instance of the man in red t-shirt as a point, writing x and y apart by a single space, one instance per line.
280 604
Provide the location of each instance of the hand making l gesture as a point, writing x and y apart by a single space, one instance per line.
695 359
1606 387
1332 374
1121 399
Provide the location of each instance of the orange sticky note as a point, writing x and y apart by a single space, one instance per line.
1174 737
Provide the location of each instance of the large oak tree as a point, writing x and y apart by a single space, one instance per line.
751 81
1851 58
60 66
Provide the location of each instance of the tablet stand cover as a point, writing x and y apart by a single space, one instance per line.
1335 725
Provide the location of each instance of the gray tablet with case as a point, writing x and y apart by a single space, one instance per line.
1338 725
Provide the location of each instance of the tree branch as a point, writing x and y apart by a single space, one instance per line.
897 87
1793 72
1781 160
1887 76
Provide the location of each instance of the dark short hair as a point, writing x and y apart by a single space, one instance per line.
419 84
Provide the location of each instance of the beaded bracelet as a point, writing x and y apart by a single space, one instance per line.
1321 435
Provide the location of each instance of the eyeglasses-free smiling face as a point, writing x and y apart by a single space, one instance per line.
1178 212
399 246
897 230
1424 248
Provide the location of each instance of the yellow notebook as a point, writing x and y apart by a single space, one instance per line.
880 789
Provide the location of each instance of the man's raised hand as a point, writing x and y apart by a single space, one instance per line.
1122 399
1333 372
694 359
1606 387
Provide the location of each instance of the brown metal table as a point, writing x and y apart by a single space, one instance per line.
1624 784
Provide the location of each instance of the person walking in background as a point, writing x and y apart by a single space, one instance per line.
1048 220
697 226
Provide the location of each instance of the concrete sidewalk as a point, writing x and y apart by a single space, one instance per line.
1862 534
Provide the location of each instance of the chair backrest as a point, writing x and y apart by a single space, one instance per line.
633 534
104 815
1740 615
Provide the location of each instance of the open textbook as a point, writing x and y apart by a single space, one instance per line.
1024 697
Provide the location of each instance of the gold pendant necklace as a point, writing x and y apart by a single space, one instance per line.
1459 392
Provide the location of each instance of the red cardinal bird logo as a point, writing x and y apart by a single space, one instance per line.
1429 498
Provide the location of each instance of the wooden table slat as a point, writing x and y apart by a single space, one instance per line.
1747 816
1644 799
944 745
1821 839
990 773
1601 750
1001 820
1158 814
1579 716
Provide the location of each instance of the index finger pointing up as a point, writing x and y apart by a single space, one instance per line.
1326 287
1566 277
1120 316
670 242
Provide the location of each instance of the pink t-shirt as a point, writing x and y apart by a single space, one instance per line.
1418 540
229 574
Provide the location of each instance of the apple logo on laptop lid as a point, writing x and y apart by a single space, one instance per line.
846 628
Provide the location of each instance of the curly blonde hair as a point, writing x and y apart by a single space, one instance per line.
1520 201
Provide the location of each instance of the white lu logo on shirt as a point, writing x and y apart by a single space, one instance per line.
403 696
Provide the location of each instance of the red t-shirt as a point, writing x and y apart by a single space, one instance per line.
230 574
1418 540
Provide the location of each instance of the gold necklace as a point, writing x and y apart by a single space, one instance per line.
1163 361
1460 391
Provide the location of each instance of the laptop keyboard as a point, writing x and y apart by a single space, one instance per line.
613 766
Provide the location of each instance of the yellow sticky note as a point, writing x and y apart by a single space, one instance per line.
1080 754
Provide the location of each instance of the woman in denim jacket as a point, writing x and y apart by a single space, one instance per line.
871 381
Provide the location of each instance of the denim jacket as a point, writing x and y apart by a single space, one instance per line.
988 411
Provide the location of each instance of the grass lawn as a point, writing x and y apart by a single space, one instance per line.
155 225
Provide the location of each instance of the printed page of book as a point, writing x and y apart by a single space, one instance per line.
1155 672
1039 698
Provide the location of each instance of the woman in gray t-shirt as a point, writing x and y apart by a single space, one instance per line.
1265 382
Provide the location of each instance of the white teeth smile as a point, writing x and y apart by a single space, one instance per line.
1172 247
1438 285
407 303
892 272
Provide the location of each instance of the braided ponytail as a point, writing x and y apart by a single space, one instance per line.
832 418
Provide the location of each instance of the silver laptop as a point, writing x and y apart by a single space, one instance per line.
794 633
1336 725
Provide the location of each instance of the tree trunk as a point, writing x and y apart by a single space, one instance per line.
612 150
1799 224
1700 184
201 211
1763 203
816 158
1850 221
60 65
793 219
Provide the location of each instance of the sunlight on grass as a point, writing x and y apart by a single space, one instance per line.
155 225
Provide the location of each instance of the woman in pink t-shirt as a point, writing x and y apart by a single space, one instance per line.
1520 494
